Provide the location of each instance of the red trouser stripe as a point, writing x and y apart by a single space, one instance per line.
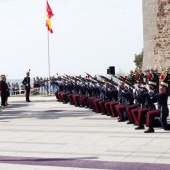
112 104
70 96
135 115
140 112
102 106
62 96
118 108
83 100
96 101
149 114
75 97
90 101
59 96
129 108
107 106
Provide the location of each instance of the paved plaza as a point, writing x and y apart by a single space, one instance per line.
47 135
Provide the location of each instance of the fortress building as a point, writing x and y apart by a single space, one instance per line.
156 26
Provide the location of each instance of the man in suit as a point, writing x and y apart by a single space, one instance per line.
26 82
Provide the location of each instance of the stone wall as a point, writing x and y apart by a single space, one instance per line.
156 25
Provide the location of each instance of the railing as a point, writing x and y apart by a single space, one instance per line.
16 92
42 91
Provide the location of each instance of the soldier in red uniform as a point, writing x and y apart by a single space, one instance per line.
162 111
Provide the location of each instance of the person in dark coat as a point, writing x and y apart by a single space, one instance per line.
4 89
26 82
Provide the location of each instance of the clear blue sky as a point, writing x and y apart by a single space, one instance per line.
89 36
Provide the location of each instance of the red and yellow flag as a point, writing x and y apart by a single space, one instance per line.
49 15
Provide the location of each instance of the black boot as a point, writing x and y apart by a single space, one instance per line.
149 131
139 127
129 122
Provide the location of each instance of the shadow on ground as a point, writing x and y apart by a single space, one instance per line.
11 112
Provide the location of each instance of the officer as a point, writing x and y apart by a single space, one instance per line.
26 82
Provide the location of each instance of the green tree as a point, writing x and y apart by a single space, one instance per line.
138 60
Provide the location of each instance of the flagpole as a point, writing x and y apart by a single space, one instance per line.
49 28
48 61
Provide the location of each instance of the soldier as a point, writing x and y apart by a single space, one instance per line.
131 77
149 105
26 82
162 110
167 79
127 99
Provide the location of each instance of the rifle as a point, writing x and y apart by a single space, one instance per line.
92 78
68 76
71 77
89 75
108 80
64 78
83 80
124 80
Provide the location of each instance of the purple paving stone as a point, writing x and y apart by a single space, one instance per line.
80 163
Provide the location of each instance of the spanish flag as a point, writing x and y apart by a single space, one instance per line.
49 15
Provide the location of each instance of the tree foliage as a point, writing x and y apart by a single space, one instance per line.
138 60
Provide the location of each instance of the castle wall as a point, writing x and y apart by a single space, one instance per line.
156 26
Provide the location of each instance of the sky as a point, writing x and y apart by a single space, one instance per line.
89 36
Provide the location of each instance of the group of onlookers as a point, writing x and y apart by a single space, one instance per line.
42 84
14 88
7 89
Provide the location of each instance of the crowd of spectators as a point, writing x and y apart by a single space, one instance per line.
42 84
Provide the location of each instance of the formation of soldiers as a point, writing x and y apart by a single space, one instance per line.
139 98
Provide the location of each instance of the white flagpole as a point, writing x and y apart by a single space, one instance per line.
48 62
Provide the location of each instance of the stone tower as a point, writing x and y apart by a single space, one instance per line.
156 26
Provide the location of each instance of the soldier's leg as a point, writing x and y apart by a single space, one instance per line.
150 119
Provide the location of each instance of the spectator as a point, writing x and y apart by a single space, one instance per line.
4 89
12 89
17 88
37 82
41 85
46 85
22 87
34 82
7 92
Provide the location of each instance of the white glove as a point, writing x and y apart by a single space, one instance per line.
136 86
147 86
